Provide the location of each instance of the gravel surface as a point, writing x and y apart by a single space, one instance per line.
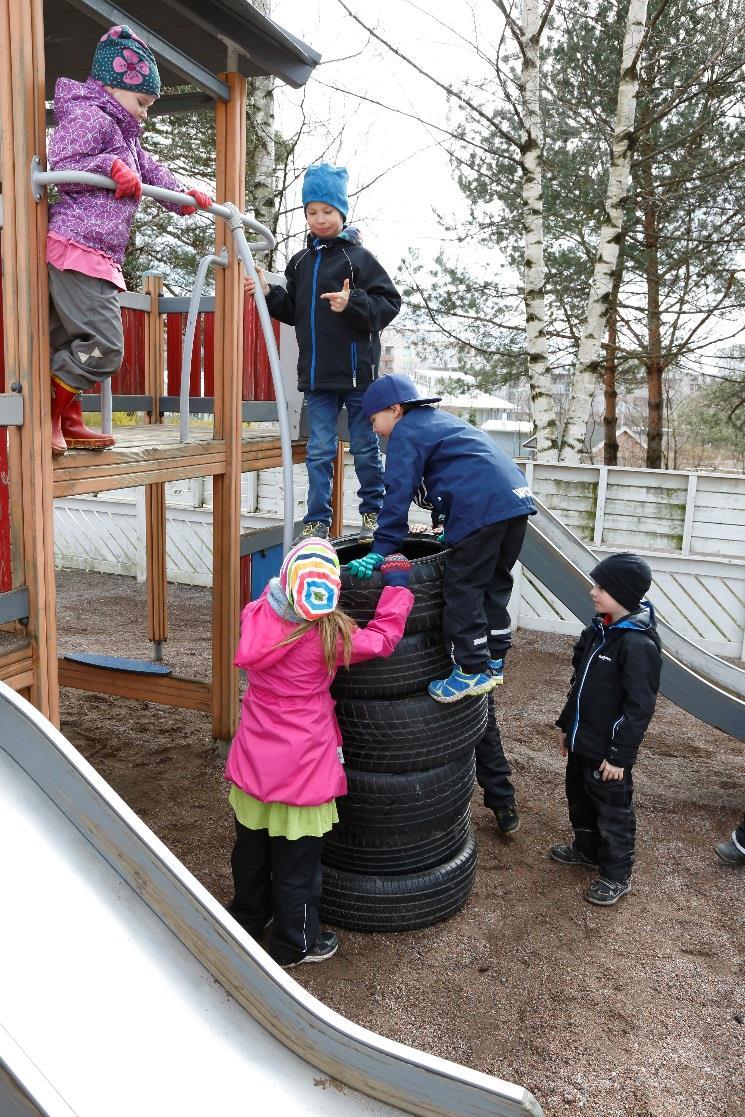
632 1011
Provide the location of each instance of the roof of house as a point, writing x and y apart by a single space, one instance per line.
193 41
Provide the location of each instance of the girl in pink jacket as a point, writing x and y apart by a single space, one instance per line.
285 764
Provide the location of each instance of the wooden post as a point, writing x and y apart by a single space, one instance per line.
230 128
22 112
155 495
337 492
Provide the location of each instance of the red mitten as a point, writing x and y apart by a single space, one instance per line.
203 202
128 185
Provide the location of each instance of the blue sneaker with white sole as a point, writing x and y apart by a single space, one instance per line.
496 667
459 685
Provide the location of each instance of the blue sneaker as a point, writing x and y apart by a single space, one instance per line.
496 666
460 685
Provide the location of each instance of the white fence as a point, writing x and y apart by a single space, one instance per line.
690 527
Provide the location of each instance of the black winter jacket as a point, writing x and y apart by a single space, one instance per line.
338 352
614 688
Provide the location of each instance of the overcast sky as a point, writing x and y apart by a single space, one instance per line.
406 158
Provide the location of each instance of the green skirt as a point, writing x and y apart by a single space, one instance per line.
281 820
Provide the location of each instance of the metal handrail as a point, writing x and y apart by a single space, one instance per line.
236 221
206 262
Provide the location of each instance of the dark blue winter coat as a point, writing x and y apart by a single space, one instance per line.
339 352
614 688
469 482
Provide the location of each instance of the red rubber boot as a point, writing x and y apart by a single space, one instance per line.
61 396
76 434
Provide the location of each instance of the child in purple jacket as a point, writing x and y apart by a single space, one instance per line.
285 763
98 127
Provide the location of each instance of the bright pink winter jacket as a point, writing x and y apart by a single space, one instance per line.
286 749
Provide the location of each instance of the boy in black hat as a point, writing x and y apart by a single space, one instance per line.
614 686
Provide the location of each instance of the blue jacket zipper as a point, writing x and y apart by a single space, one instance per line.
353 348
316 266
575 727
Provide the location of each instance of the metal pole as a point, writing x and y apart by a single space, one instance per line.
220 261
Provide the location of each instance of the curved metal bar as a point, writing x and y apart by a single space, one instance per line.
40 179
220 261
285 438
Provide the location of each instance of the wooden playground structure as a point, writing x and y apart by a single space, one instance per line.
213 49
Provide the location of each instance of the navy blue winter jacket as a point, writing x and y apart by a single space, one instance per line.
338 352
469 482
614 688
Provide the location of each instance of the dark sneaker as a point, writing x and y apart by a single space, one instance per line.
570 855
315 529
607 892
369 526
496 669
459 685
325 947
508 820
728 851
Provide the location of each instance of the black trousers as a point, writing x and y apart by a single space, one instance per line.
492 767
275 877
476 588
602 816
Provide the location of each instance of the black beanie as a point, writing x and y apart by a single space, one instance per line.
625 577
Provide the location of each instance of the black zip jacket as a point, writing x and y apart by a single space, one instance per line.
338 352
614 688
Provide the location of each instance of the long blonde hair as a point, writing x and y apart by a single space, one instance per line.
333 627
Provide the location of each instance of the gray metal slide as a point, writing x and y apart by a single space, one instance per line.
707 687
127 989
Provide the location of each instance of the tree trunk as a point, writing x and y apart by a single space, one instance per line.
610 416
589 355
653 361
531 159
260 155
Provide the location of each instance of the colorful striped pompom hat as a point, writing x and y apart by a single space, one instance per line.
310 578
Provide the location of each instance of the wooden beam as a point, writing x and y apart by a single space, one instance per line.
164 690
26 328
17 667
230 127
337 492
155 494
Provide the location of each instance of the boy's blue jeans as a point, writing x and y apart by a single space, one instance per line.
323 412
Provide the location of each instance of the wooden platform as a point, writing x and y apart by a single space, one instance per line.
146 455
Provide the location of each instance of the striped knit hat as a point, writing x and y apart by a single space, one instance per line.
310 578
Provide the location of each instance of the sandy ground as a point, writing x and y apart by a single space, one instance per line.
632 1011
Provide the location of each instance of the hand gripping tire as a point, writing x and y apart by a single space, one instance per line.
398 903
359 596
410 734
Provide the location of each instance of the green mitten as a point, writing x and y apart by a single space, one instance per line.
363 567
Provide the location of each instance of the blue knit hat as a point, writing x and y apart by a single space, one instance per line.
123 61
324 183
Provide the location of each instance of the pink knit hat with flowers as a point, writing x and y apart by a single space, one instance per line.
310 578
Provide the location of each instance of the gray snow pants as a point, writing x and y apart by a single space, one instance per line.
85 328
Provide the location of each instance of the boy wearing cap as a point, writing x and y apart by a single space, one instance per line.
338 298
98 125
611 701
484 501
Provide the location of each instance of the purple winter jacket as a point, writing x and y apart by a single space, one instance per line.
93 130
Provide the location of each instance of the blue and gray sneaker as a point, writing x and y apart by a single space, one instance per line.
460 685
496 667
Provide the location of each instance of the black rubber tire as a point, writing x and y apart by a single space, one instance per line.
409 734
359 596
416 660
355 853
406 803
399 903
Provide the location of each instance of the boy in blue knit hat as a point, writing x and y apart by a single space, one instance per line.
338 298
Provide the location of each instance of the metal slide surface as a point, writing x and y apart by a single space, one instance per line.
710 688
126 988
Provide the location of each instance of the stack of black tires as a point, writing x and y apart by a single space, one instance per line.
403 854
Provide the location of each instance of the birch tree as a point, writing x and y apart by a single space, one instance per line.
589 355
261 186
